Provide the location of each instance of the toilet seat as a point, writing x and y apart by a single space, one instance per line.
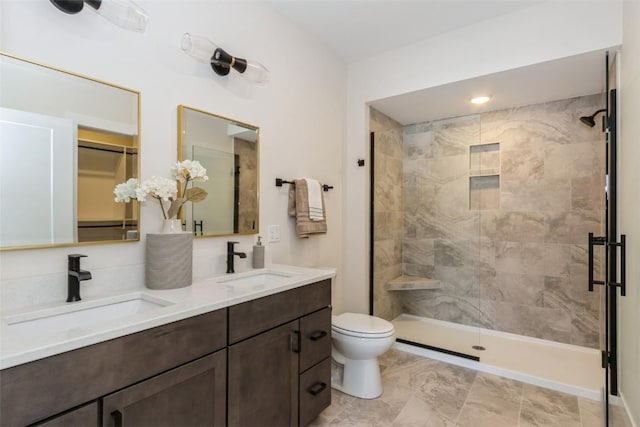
361 325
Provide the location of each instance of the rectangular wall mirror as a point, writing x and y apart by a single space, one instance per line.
66 140
229 150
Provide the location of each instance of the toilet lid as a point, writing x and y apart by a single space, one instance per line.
362 324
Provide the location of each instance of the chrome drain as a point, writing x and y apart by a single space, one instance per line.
478 347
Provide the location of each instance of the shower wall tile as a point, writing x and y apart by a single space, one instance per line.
419 270
585 329
388 212
526 258
569 295
518 227
459 281
586 159
453 137
379 122
388 252
587 193
524 164
521 266
516 288
572 226
535 196
418 251
388 225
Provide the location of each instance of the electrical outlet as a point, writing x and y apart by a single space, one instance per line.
274 233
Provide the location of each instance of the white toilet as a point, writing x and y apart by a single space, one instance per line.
358 340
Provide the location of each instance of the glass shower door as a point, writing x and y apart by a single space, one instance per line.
427 195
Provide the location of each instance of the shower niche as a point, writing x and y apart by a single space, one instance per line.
484 177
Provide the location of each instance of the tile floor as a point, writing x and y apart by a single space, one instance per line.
425 392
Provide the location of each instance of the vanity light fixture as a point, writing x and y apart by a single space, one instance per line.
478 100
123 13
204 50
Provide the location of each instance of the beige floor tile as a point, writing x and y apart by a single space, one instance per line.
446 388
590 412
416 413
543 407
422 392
496 395
473 415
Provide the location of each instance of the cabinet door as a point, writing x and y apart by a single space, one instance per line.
191 395
85 416
263 379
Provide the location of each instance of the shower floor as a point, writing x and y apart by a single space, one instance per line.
563 367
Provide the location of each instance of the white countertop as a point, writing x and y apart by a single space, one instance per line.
201 297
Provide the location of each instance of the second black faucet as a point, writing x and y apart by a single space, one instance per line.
231 253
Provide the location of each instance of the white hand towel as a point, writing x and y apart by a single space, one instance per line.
314 192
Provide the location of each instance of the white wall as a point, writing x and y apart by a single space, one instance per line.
629 177
300 114
543 32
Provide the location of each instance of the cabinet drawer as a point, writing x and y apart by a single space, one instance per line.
73 378
315 331
252 317
85 416
315 391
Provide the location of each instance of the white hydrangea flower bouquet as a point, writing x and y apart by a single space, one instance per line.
165 189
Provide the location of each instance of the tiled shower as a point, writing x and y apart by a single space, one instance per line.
497 207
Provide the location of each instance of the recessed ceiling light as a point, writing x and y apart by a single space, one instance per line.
480 99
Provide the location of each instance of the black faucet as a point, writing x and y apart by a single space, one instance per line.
230 254
75 276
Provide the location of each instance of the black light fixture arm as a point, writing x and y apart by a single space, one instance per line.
204 50
222 62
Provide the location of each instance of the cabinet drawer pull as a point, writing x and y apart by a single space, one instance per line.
317 388
117 418
317 335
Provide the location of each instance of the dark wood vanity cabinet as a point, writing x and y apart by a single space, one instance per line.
35 392
279 357
263 362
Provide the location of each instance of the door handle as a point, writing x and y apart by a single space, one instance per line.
295 341
117 418
317 388
623 265
315 336
592 242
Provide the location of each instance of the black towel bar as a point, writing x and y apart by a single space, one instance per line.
280 181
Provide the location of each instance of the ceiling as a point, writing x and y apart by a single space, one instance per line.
357 29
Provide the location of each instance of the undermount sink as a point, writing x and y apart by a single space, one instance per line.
260 277
82 314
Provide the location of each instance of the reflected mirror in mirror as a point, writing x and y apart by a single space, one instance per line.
228 149
65 141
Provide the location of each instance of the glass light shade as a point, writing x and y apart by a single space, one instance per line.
204 50
256 72
123 13
198 47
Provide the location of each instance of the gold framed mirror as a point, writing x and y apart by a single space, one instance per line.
66 140
230 151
